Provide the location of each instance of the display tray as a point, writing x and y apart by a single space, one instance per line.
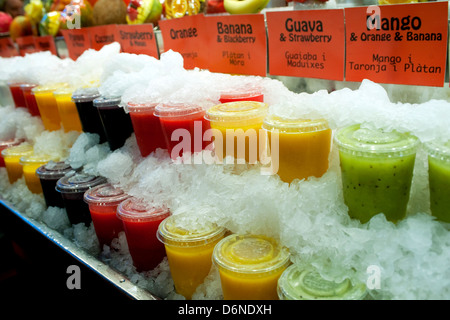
55 248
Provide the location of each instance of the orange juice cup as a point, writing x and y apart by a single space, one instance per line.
303 146
30 164
48 107
189 250
67 110
12 156
239 124
249 266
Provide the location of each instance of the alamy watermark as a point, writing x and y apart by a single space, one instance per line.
73 16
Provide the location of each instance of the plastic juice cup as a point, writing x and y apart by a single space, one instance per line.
115 121
140 222
103 201
72 188
7 144
17 94
241 94
49 174
6 98
299 284
189 247
30 164
303 146
439 179
67 110
89 116
239 123
147 128
12 157
377 169
249 266
48 107
30 100
190 119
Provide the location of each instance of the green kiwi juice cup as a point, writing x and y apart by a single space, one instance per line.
439 179
377 169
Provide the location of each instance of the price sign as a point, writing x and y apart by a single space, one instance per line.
187 35
307 43
26 45
103 35
237 44
398 44
45 43
138 39
7 48
77 41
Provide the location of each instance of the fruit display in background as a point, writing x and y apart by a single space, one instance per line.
215 6
244 6
50 23
109 12
5 21
55 5
79 7
144 11
21 26
34 10
181 8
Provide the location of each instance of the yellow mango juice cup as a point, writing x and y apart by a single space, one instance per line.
67 109
308 284
249 266
30 164
12 157
239 124
189 248
303 146
47 106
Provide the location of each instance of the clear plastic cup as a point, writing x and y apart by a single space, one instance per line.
89 116
241 94
147 128
189 121
49 174
67 110
30 100
189 245
304 284
140 222
30 164
72 188
239 123
6 98
115 121
249 266
377 169
17 94
103 201
12 156
7 144
439 179
47 105
303 146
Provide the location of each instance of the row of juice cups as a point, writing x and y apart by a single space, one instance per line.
376 166
250 266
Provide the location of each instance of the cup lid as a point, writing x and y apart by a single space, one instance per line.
78 182
294 125
10 143
34 159
49 87
53 170
240 93
250 254
177 110
18 150
188 230
103 102
105 194
371 142
65 91
85 94
138 209
28 86
237 111
298 284
438 149
141 107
